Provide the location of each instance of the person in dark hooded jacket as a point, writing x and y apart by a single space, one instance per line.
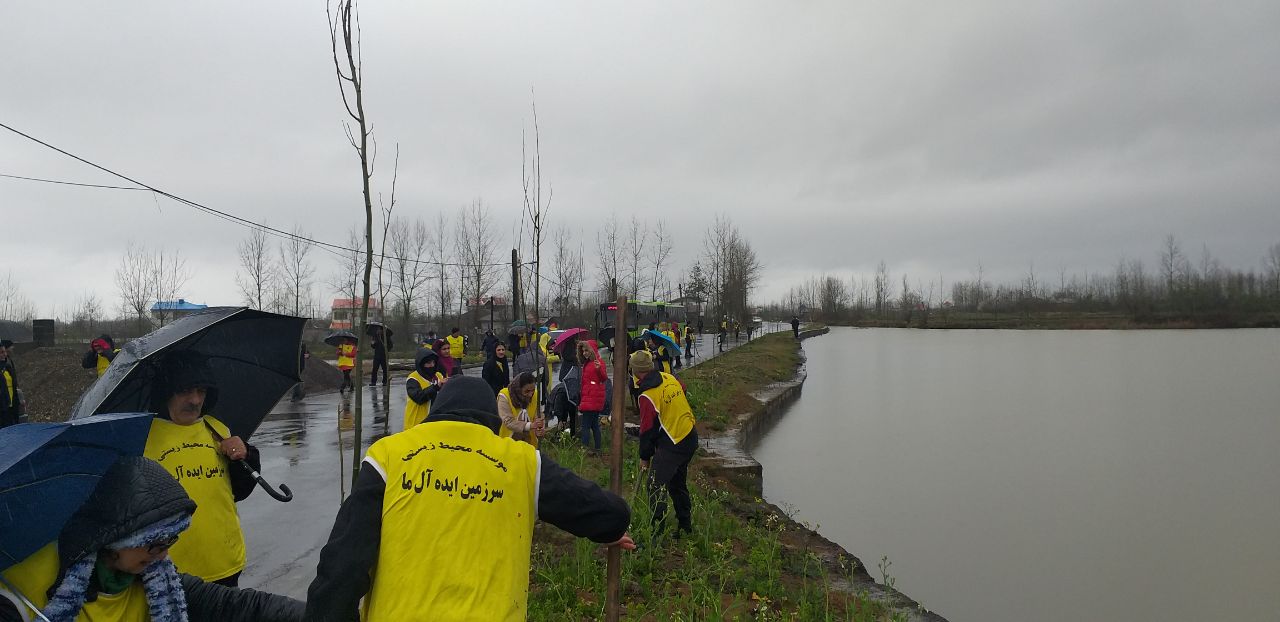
422 386
110 562
440 521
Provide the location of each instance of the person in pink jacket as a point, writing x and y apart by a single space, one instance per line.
594 394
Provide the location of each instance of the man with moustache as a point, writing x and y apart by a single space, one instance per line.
197 449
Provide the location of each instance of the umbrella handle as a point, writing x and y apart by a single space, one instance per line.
283 497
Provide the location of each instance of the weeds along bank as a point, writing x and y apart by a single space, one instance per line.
746 559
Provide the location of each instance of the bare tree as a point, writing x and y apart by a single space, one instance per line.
296 271
14 305
440 256
168 275
634 253
256 275
346 280
1271 263
385 210
882 287
87 314
344 24
409 270
535 208
734 270
659 254
608 253
133 283
475 252
1171 264
568 265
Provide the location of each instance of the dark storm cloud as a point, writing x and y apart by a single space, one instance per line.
932 136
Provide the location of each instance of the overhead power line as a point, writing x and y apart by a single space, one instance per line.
232 218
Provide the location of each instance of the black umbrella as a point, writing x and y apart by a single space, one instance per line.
335 338
253 356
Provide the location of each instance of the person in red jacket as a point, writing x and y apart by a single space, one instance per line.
594 392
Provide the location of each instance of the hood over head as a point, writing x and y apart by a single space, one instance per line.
468 397
179 371
421 358
135 493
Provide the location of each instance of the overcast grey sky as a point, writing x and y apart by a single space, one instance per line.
932 135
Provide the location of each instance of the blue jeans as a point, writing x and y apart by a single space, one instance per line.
589 422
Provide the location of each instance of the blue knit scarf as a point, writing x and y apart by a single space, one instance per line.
165 598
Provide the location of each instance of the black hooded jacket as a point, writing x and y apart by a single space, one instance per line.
565 500
137 492
418 393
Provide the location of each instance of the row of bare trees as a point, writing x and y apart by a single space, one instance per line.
1176 288
277 278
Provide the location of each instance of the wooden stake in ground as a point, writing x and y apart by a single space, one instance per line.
612 607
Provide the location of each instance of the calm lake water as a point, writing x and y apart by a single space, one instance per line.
1045 475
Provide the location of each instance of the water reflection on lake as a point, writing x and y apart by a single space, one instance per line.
1046 475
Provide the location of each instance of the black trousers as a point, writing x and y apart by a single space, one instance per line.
668 476
379 362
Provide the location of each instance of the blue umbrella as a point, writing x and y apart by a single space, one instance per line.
48 470
663 341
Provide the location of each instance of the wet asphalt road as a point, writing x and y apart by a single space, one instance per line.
299 443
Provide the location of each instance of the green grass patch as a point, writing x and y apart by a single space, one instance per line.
721 388
744 561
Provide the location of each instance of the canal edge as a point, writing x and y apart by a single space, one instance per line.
728 456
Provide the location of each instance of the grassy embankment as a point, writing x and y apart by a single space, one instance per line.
745 560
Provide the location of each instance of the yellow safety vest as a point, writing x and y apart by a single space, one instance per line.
456 345
213 547
8 383
457 525
504 431
674 411
415 413
34 576
346 356
103 363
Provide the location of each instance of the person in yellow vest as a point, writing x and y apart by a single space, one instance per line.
109 563
661 359
668 440
439 524
10 409
422 386
672 333
101 352
518 409
544 344
198 449
346 363
457 345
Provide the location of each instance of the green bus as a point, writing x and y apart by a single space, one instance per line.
640 314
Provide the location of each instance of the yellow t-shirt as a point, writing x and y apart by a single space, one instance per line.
8 383
213 547
34 576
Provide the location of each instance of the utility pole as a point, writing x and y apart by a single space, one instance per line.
613 569
515 285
